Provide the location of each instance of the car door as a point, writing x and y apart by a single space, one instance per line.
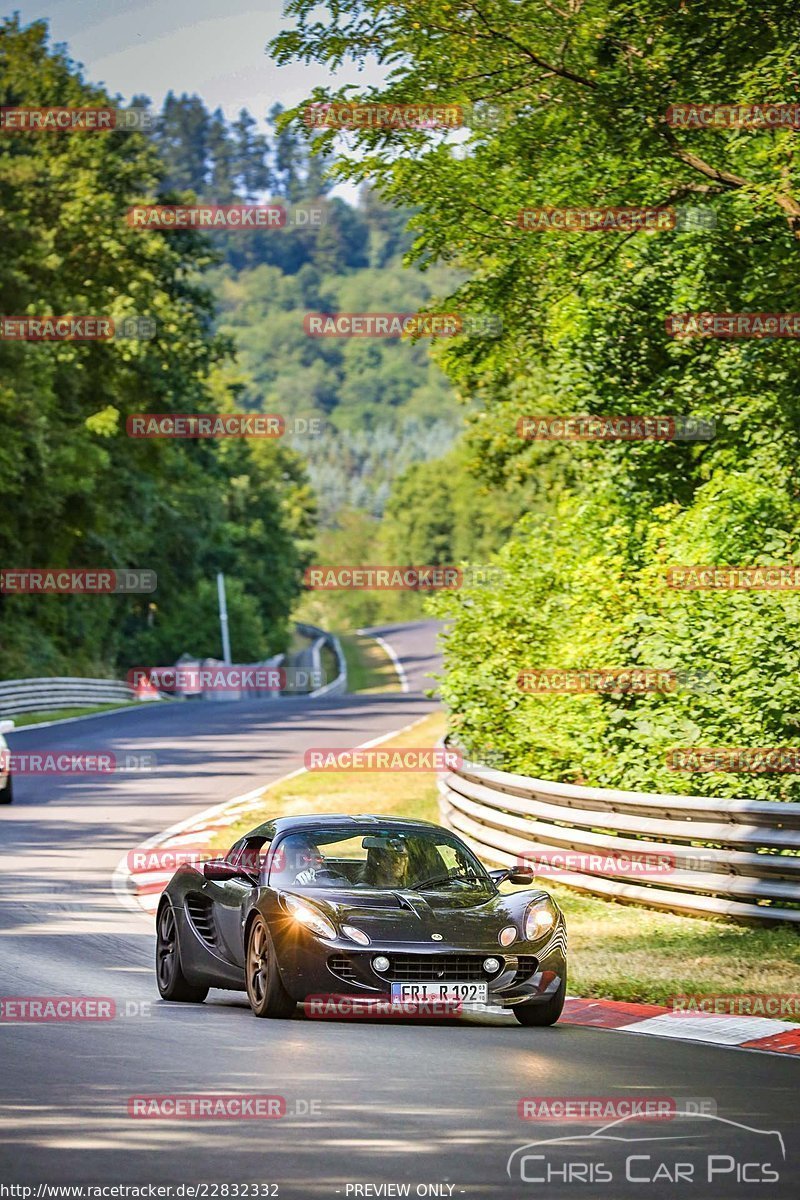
230 896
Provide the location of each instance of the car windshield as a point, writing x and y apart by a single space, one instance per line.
386 859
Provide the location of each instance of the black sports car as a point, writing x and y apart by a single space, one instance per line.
373 907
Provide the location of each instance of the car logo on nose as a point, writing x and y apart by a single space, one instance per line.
436 937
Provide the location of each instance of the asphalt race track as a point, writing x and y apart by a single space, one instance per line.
369 1103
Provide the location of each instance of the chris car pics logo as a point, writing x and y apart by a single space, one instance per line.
691 1151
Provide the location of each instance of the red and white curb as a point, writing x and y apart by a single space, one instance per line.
139 888
743 1033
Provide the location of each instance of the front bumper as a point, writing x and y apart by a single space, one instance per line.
311 967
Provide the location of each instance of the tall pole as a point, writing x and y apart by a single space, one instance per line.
223 618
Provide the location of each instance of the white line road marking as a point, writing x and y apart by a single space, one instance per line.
390 650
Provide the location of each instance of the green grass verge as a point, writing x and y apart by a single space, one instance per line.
330 664
617 951
369 668
60 714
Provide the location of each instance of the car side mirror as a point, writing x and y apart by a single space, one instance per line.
219 870
513 875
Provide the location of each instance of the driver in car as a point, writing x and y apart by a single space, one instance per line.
387 865
314 869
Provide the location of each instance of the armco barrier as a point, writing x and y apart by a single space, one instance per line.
191 682
732 858
44 695
319 638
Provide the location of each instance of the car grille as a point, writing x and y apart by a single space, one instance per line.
526 966
202 918
419 968
343 967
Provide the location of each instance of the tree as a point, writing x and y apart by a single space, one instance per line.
289 157
183 132
222 157
77 491
251 165
584 91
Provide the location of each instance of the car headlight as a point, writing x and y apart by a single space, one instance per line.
355 935
309 916
539 919
507 935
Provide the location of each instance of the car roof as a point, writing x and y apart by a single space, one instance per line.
281 825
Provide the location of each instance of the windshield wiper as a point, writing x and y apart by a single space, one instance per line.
436 879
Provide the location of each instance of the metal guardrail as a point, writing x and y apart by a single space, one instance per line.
46 694
319 638
43 695
732 858
191 683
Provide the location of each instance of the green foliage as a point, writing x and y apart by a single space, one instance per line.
588 589
586 89
356 541
382 403
76 490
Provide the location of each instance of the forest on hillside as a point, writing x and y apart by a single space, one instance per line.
229 311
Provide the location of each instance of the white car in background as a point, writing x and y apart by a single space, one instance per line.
5 775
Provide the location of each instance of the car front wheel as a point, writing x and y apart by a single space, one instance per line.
172 983
265 991
542 1013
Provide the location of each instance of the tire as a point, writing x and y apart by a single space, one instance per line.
7 793
265 991
539 1013
172 983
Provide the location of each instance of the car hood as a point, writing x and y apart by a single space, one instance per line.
460 917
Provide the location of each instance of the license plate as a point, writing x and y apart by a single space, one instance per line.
466 993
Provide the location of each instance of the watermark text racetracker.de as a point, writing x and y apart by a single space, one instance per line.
221 677
25 1010
425 115
750 760
733 325
608 1108
74 120
227 217
86 328
72 762
400 577
597 219
556 863
548 681
214 425
762 115
381 758
761 577
401 324
330 1006
86 581
215 1106
619 427
754 1004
